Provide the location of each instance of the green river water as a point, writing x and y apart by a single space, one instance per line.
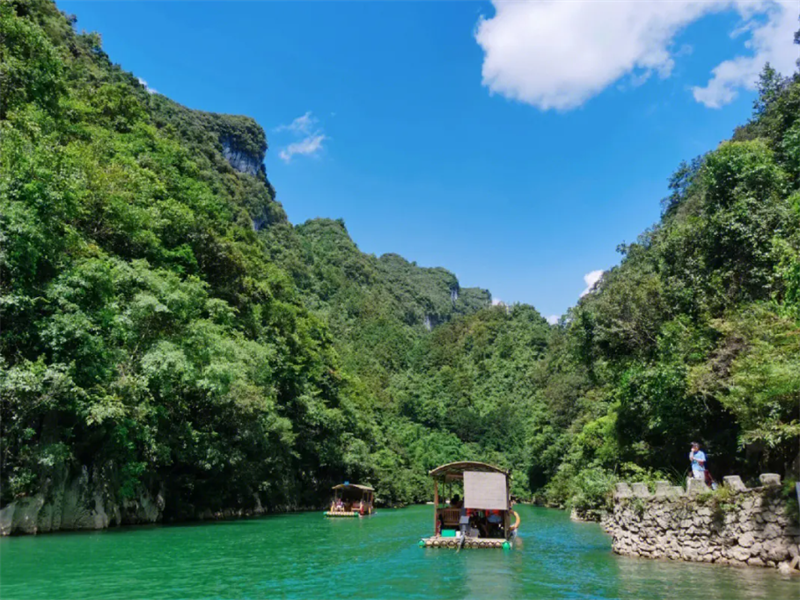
307 556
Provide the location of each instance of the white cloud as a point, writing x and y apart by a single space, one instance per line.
311 142
497 302
553 319
590 279
147 87
308 146
770 39
555 54
302 124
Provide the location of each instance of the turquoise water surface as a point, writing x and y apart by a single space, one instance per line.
308 556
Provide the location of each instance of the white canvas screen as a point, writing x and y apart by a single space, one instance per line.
486 491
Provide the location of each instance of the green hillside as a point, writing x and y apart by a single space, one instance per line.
165 327
160 315
695 334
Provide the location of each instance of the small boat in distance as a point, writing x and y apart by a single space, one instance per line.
483 518
351 500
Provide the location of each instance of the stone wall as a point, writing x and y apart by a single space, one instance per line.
733 525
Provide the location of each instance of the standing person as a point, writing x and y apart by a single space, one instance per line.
698 460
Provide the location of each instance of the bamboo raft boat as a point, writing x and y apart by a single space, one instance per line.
351 500
483 519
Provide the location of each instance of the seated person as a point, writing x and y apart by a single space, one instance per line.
473 531
494 522
475 526
455 502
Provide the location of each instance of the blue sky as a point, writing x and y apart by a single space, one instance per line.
516 145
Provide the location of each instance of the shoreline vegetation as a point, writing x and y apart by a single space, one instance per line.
172 345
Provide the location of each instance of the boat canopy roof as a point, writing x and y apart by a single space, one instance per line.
455 470
347 486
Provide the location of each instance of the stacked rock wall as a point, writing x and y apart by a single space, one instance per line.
733 525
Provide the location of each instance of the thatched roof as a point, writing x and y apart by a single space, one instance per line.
455 470
347 486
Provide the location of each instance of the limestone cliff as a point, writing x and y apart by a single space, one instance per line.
228 142
90 499
85 500
239 158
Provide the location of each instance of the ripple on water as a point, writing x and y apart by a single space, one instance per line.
307 556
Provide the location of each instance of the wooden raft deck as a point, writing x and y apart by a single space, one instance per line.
437 541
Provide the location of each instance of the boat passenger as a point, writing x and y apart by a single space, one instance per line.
477 528
494 522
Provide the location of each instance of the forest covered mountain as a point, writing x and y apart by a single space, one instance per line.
167 331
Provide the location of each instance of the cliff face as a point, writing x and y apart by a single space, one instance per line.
224 142
88 499
239 158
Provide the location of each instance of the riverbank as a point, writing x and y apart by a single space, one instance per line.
87 502
734 525
33 517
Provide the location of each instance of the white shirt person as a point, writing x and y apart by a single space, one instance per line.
698 460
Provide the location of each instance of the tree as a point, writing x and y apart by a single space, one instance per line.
770 83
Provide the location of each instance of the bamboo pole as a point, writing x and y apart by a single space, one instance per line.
435 505
507 513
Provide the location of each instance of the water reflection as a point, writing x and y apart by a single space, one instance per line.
489 574
644 578
573 560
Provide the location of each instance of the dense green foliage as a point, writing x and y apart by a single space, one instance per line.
148 326
165 325
695 335
143 325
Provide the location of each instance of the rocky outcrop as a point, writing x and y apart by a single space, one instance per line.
70 501
733 525
260 222
83 501
587 515
239 159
